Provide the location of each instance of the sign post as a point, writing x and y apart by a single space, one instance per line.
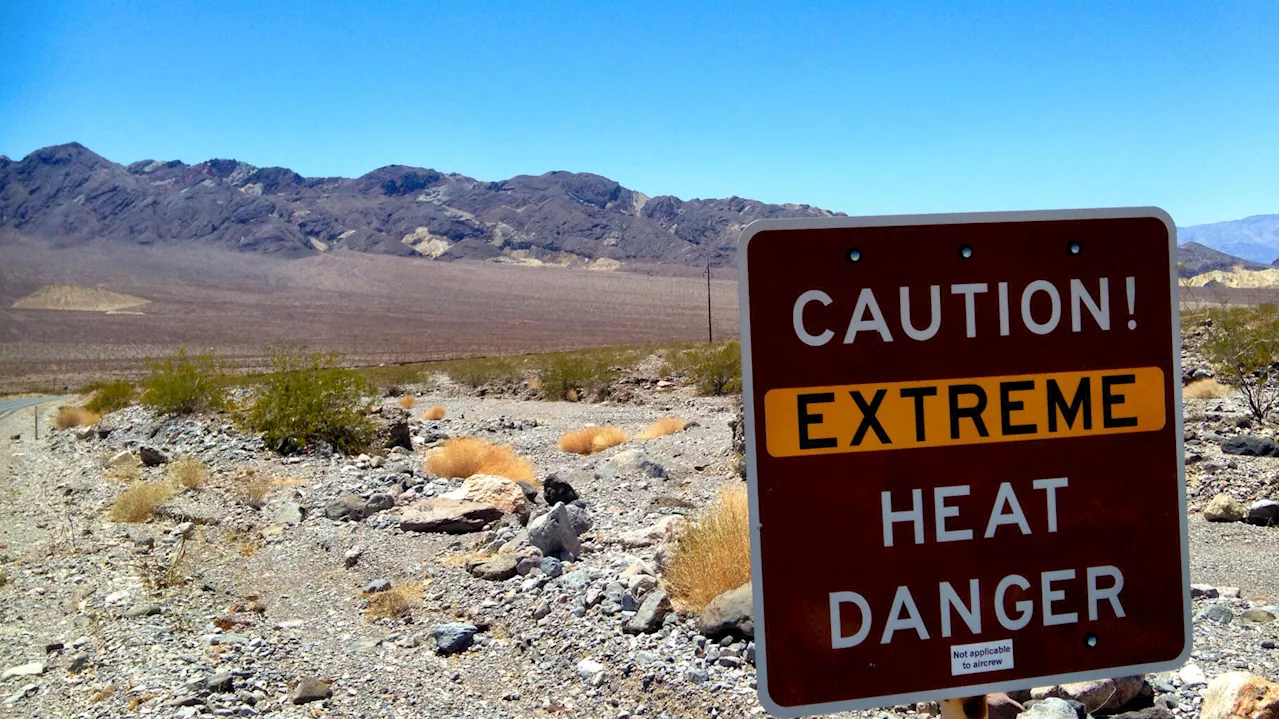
964 454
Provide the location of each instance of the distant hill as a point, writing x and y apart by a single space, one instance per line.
1194 259
70 196
1254 238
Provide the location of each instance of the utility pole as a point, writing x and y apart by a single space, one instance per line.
709 339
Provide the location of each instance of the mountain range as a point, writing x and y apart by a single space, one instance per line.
1255 238
68 196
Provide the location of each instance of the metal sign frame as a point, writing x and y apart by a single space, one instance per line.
758 576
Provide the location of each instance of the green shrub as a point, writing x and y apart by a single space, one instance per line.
307 398
480 371
582 373
110 396
1243 347
713 369
185 384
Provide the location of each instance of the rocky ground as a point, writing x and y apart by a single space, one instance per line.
250 595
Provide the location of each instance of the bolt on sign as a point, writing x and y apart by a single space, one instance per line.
964 453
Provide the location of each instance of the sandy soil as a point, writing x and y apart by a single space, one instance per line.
373 308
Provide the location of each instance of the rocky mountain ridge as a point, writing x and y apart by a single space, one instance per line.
70 196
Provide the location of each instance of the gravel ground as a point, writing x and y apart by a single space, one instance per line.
215 607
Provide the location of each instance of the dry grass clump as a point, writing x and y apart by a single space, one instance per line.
465 456
188 472
126 472
137 503
408 401
436 412
590 440
395 602
69 417
1208 388
666 425
251 487
712 555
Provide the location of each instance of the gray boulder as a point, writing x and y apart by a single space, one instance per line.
310 689
630 464
729 614
648 618
347 508
453 638
551 567
1052 708
151 457
378 503
1099 695
553 533
1264 513
1250 446
497 569
1219 613
579 517
450 516
218 683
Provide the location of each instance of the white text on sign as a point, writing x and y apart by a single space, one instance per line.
1103 584
867 316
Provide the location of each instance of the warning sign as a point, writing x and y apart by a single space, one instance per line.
964 454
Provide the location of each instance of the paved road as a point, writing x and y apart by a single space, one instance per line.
9 406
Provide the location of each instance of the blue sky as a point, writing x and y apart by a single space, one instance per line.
863 107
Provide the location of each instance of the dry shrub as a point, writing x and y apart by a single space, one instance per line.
712 555
666 425
590 440
252 487
69 417
436 412
255 492
1208 388
465 456
126 472
395 602
188 472
408 401
137 503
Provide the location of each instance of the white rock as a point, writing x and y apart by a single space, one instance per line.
1191 675
590 670
663 530
29 669
120 458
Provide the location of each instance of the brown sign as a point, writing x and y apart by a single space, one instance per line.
964 454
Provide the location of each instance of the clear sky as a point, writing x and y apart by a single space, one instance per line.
863 107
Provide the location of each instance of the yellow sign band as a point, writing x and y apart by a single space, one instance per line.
905 415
